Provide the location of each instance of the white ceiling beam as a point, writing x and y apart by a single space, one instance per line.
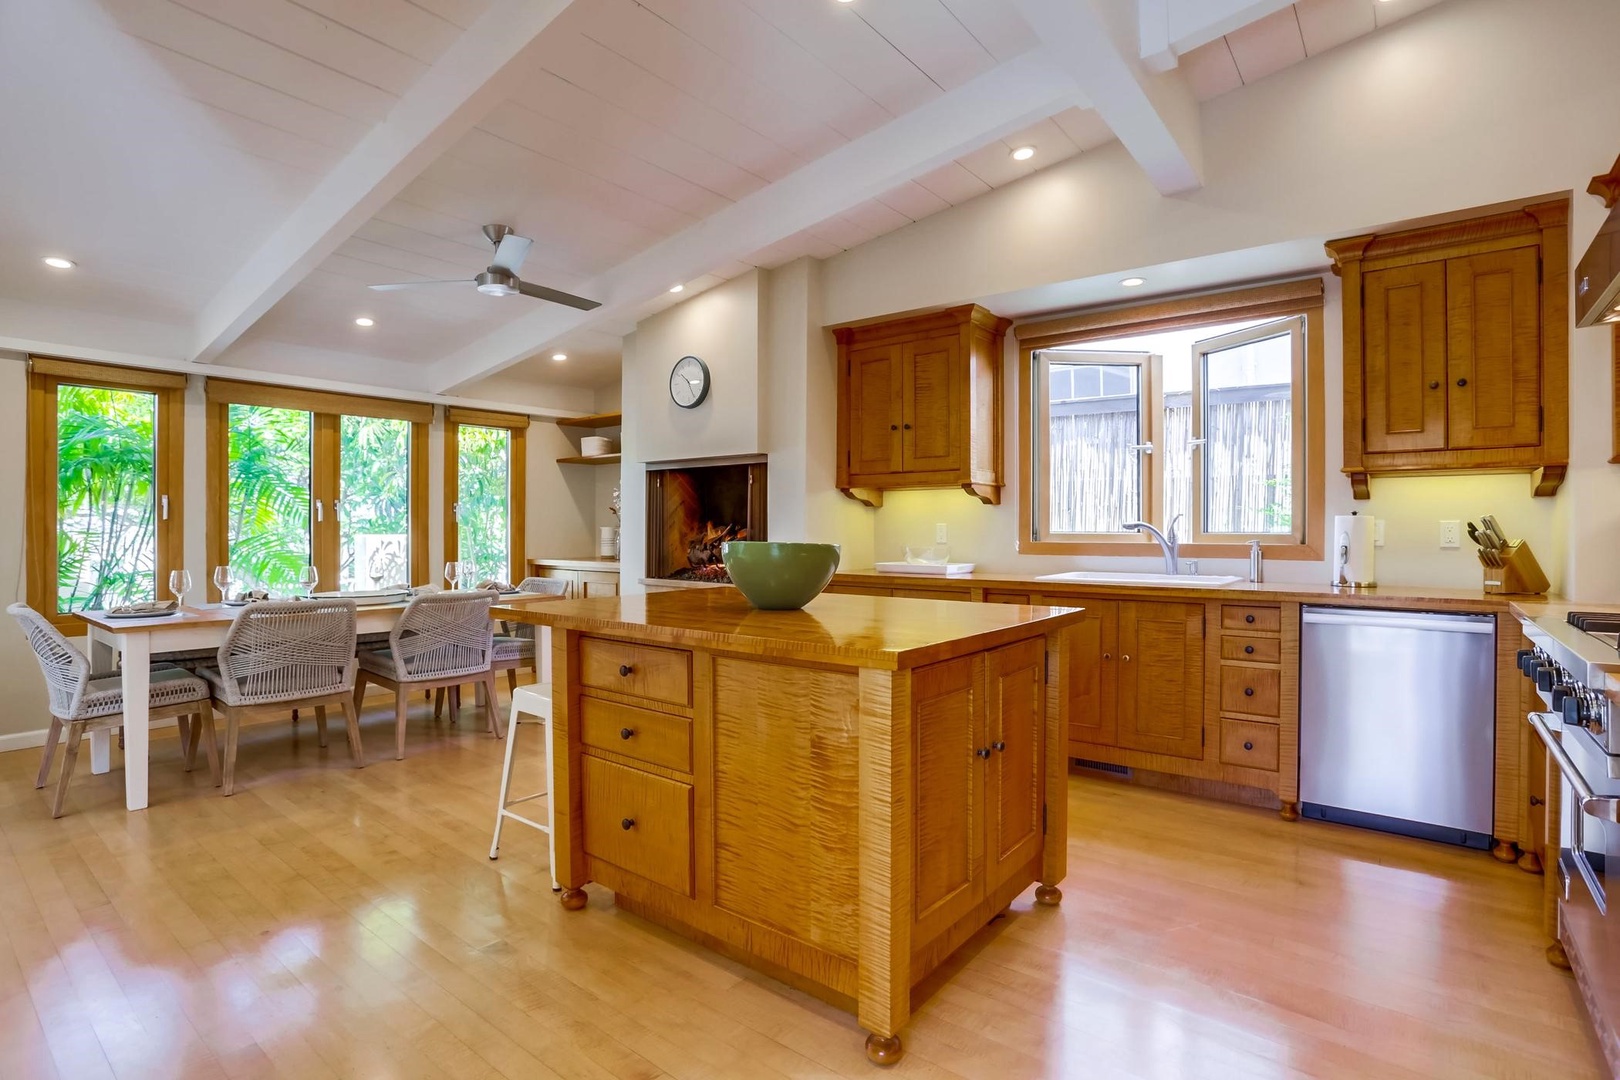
1154 115
1170 29
451 96
1003 100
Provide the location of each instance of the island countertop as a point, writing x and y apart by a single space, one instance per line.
888 633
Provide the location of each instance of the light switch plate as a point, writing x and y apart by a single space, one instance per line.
1451 534
939 533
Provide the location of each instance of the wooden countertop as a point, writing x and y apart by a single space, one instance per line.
858 631
1402 596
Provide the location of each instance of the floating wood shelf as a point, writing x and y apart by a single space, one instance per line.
599 459
599 420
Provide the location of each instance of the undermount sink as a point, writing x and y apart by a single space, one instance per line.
1166 581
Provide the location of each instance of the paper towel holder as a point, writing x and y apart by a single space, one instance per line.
1341 563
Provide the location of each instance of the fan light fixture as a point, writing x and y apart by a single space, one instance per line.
1023 153
363 321
1133 282
56 262
677 288
559 356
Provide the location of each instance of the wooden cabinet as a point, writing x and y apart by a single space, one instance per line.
919 404
1015 726
1139 682
582 584
1456 350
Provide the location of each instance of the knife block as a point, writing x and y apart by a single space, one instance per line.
1519 574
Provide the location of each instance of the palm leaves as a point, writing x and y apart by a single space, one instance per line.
106 467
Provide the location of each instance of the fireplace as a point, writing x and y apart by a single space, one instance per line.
694 508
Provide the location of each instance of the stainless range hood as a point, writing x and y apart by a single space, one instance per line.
1597 277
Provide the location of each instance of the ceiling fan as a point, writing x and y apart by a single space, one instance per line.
500 277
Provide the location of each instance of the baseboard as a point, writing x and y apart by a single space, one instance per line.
32 740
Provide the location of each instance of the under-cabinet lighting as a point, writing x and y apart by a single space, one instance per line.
56 262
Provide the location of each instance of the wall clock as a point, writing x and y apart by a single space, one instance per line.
689 382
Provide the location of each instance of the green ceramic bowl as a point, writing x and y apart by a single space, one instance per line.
779 577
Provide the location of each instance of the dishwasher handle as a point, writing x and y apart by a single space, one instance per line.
1400 620
1599 806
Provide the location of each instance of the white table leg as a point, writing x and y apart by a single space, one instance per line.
102 652
137 716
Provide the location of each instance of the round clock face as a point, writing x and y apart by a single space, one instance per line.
689 382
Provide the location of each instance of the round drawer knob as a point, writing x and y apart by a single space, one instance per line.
998 746
1248 746
983 752
1248 618
1434 386
627 733
627 824
1108 656
625 669
1248 648
1248 691
894 427
1462 382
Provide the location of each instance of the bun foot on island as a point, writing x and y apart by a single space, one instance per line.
839 796
1048 895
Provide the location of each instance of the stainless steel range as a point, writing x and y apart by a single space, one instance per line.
1576 667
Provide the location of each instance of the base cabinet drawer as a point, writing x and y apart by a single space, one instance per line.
1253 690
656 738
639 822
1249 743
1262 618
1254 650
644 671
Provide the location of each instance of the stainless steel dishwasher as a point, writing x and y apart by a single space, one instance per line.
1397 721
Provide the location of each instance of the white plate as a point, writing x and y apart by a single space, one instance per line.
955 569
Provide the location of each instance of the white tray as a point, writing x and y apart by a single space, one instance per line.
950 569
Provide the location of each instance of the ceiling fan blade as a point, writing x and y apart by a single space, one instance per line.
556 296
413 284
510 253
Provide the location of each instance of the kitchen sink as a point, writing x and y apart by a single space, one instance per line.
1164 581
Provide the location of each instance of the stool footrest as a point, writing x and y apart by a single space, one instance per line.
526 821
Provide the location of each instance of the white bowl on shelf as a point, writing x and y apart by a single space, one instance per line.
595 446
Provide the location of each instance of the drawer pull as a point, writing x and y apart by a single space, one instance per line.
627 824
1248 746
625 670
1248 649
998 746
1248 691
1125 657
1108 656
983 752
1248 618
627 733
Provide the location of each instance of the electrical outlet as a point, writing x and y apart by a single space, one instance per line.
1378 532
939 533
1451 534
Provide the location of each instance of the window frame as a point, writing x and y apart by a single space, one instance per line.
326 467
1150 367
1301 298
45 375
455 418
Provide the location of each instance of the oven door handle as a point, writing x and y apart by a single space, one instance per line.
1599 806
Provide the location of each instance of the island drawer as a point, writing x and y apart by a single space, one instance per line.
1254 690
1263 618
644 671
656 738
1249 743
639 822
1251 650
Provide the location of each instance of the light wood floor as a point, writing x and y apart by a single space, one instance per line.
327 923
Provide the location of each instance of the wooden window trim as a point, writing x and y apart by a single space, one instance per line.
1269 301
516 525
326 467
1150 380
40 527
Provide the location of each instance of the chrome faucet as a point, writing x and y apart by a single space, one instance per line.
1169 543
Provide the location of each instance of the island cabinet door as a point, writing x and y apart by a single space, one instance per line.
948 726
1160 672
1015 684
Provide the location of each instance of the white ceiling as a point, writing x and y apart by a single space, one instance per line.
162 144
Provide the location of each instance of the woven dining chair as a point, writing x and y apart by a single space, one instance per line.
287 654
515 644
84 702
441 640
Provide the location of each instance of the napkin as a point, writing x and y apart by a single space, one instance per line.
146 607
497 586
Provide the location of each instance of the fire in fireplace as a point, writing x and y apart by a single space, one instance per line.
693 509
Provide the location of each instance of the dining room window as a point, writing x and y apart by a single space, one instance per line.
103 465
484 484
301 478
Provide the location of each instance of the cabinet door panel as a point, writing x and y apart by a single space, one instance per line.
1015 681
598 583
874 412
1494 319
932 409
1405 376
1160 667
1091 705
949 849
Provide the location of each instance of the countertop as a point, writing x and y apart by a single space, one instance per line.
587 562
859 631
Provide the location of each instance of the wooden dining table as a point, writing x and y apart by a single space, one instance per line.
135 641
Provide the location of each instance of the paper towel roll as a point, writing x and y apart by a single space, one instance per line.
1353 551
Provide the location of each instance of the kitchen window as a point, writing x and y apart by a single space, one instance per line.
1202 413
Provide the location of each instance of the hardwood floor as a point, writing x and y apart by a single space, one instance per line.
329 923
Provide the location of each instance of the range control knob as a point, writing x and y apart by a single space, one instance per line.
1572 708
1561 693
1546 676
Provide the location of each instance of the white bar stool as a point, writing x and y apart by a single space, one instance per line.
531 705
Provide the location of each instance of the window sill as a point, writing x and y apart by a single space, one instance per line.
1287 551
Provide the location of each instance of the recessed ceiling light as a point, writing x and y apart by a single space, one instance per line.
677 288
559 356
1023 153
1133 282
56 262
363 321
846 1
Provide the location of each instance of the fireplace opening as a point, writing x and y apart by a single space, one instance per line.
693 509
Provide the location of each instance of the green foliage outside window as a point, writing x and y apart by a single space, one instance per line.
267 505
483 477
106 547
376 508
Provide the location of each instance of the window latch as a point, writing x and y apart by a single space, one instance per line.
163 502
320 510
1197 442
1141 447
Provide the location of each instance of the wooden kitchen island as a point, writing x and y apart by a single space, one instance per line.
839 796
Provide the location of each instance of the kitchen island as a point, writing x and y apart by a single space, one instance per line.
839 796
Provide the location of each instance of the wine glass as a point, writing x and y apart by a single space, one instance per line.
180 584
308 577
452 574
222 581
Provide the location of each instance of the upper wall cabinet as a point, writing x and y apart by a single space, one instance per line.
919 404
1456 347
